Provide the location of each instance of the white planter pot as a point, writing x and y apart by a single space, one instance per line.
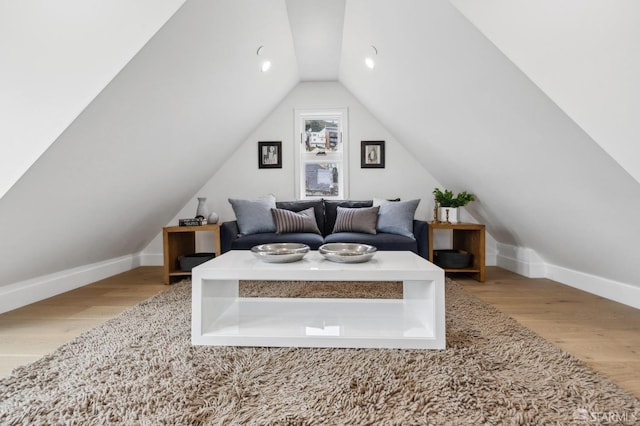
453 214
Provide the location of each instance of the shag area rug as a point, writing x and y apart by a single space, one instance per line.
140 369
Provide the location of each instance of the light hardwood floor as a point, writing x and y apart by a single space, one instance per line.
28 333
604 334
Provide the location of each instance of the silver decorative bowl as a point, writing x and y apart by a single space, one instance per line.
280 252
347 252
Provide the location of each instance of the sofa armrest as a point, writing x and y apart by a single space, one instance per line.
421 233
228 233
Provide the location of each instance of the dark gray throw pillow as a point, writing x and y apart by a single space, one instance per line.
362 219
397 217
254 216
331 211
299 205
288 221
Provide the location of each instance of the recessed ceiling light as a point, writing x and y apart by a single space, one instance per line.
266 63
369 61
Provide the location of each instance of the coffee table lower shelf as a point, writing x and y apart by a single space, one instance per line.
310 322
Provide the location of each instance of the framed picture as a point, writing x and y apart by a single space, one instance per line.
372 154
270 155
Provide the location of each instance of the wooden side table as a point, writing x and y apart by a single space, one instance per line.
179 241
468 237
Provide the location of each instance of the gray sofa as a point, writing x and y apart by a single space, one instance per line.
326 212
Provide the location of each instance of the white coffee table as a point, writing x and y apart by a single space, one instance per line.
221 318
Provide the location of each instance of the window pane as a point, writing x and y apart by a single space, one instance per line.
322 135
321 166
322 179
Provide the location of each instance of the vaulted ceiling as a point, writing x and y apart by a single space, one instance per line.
465 95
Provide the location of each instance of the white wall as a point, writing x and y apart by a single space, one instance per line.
583 54
55 57
240 177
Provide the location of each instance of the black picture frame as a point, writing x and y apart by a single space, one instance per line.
372 154
270 155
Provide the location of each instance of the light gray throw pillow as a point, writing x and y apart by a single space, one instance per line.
396 217
254 216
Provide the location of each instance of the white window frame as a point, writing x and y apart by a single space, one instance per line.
340 157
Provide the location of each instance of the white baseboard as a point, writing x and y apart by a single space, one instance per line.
22 293
151 259
491 258
604 287
521 260
526 262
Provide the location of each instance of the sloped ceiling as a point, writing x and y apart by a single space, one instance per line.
140 151
55 57
584 55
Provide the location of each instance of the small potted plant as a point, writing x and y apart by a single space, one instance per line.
448 204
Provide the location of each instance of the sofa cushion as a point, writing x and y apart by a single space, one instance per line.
331 211
299 205
254 216
381 240
363 219
287 221
396 217
247 241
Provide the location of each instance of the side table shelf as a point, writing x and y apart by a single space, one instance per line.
181 240
468 237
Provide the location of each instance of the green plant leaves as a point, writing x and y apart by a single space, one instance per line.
447 198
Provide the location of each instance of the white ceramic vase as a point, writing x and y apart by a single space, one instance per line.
448 214
202 209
